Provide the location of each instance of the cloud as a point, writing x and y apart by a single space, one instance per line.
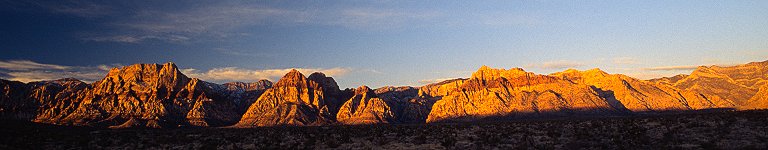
647 76
22 65
28 71
230 74
80 8
430 81
236 52
671 68
560 64
190 21
625 60
136 38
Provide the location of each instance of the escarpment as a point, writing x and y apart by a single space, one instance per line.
160 96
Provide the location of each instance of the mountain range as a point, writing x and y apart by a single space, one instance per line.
160 96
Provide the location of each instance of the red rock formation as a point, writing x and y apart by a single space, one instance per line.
142 95
365 108
151 95
294 100
503 93
158 94
736 83
640 96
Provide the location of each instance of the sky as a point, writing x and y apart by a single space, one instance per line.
377 43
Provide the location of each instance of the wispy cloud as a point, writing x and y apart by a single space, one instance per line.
27 71
430 81
625 60
649 75
235 52
219 21
559 64
22 65
671 68
230 74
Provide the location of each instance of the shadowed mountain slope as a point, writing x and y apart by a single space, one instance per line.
159 95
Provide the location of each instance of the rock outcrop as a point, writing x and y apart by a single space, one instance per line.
759 100
294 100
441 88
643 96
141 95
244 94
365 108
492 93
735 83
156 96
334 97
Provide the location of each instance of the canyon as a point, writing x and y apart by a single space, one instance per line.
160 96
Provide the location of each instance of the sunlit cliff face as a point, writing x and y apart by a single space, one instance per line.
154 95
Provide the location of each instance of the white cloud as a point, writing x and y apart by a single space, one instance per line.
560 64
671 68
28 71
230 74
647 76
20 65
430 81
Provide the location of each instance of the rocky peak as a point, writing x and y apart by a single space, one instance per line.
292 78
293 100
365 108
258 85
364 91
151 73
487 73
328 83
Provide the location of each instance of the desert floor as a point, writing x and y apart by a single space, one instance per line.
707 130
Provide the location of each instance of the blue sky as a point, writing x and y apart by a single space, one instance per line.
377 43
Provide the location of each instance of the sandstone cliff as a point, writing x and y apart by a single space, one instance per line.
152 95
293 100
641 96
735 83
365 108
141 95
156 94
504 93
759 100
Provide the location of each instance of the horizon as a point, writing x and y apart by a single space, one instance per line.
307 72
377 43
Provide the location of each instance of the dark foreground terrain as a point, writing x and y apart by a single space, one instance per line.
720 130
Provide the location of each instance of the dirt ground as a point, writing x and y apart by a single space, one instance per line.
711 130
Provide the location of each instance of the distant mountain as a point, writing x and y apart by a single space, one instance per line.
740 84
141 95
642 96
159 95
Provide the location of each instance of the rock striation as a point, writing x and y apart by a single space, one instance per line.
294 100
493 93
159 96
365 108
642 96
738 84
141 95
